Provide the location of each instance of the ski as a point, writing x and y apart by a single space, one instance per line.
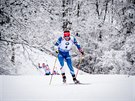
71 84
78 83
65 83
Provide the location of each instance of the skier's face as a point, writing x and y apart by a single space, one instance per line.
43 65
67 38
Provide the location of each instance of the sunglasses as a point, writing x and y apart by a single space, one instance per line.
66 36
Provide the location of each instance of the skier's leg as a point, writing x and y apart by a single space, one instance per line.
64 77
75 80
69 63
61 60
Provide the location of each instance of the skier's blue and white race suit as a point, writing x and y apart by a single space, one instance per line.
64 48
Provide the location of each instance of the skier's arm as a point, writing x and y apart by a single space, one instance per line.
58 41
78 46
57 44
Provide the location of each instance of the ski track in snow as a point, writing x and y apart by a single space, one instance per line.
37 88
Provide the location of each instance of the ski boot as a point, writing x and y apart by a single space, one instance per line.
75 80
64 77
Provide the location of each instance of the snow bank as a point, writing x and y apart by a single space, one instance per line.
27 62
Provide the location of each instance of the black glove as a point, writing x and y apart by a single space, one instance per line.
81 51
57 51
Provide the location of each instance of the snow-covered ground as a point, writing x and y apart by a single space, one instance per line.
32 85
29 59
95 88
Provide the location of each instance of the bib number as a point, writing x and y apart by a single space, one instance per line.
66 45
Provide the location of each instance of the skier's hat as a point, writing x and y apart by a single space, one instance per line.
66 33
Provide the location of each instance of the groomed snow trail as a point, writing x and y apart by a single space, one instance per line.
96 88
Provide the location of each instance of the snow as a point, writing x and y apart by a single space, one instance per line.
134 88
32 85
42 21
29 60
95 88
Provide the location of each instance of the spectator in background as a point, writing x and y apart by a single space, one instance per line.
46 69
39 65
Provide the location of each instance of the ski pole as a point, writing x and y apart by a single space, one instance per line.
52 71
79 65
